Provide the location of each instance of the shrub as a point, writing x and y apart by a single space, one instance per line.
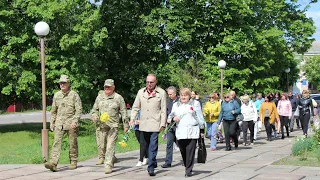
302 145
318 153
316 135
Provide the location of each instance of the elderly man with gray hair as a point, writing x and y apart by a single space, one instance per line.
171 137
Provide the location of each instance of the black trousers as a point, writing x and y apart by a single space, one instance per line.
188 149
230 128
143 145
304 121
267 125
245 126
284 121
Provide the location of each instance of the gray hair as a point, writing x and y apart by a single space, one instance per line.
174 89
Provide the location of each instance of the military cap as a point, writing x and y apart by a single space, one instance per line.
109 82
64 78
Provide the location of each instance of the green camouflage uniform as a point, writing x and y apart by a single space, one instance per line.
66 109
107 132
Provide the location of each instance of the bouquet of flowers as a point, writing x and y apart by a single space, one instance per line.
125 138
104 117
168 128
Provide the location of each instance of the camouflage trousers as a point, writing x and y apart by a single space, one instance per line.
106 141
56 147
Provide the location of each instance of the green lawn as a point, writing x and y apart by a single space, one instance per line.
21 144
311 160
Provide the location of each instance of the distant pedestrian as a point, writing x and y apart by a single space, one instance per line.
269 114
195 96
229 109
111 104
211 113
171 134
190 124
143 158
250 117
65 114
152 101
285 112
294 104
305 108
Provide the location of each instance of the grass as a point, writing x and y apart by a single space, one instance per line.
311 160
21 143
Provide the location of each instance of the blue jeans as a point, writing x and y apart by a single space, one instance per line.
212 132
171 138
151 139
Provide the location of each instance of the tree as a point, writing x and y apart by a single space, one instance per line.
312 69
70 47
255 38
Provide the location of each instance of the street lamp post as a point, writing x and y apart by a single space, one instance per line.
222 64
42 29
287 71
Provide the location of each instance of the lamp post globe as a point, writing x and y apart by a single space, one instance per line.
287 70
222 64
41 28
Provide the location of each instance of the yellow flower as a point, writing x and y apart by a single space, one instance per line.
104 117
123 144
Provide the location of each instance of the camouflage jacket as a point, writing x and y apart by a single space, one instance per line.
66 109
114 105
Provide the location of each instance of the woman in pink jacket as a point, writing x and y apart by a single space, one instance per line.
285 112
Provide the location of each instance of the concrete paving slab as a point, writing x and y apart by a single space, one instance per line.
277 176
231 176
312 171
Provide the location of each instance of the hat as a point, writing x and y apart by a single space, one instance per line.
64 78
109 82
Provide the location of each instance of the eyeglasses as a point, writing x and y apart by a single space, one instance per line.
226 97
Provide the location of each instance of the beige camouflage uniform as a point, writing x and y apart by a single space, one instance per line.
107 132
66 109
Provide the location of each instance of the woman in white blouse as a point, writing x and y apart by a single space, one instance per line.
190 124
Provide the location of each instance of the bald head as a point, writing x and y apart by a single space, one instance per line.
233 94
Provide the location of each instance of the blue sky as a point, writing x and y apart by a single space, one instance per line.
314 12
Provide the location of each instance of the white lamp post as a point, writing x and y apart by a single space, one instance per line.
287 71
42 29
222 64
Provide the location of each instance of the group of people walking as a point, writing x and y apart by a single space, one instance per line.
185 116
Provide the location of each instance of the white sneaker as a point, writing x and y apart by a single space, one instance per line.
139 163
145 161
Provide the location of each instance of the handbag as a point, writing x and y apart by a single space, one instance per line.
239 117
296 113
202 151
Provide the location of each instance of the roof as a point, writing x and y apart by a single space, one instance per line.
315 49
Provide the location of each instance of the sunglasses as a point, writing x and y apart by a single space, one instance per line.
211 97
226 97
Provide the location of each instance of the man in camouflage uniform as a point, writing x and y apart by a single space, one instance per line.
107 132
65 114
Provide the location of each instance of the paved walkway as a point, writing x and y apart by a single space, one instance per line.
250 162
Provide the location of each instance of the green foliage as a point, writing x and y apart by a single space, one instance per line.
318 153
302 145
312 69
180 41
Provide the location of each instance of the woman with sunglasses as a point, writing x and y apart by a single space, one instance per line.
211 113
229 109
268 114
305 108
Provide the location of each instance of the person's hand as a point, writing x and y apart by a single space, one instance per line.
211 114
52 127
136 122
176 119
232 111
300 107
202 135
125 129
131 123
73 125
278 119
94 118
161 128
